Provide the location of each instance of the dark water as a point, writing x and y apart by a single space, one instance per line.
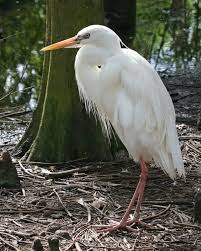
167 33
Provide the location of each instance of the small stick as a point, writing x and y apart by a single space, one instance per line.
23 192
27 172
20 234
12 92
167 202
8 244
8 234
94 235
196 137
187 225
134 244
77 246
63 174
159 214
85 205
54 163
66 210
16 223
14 114
22 211
76 237
193 148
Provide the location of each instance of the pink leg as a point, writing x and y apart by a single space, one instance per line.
137 197
143 178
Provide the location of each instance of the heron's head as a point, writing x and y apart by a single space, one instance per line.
97 35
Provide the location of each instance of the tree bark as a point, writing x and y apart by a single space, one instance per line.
24 144
61 129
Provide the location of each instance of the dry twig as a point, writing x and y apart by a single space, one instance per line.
193 148
195 137
85 205
27 172
157 215
66 173
14 114
187 225
8 244
66 210
13 211
77 246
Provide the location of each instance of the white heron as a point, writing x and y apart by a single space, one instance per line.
123 90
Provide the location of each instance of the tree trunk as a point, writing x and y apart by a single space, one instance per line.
24 145
64 131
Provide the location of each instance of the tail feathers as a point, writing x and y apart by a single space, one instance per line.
169 156
174 149
164 160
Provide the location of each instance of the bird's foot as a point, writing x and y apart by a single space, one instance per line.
126 222
115 225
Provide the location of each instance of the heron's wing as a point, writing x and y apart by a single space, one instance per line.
149 95
144 110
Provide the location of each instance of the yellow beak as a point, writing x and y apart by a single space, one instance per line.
62 44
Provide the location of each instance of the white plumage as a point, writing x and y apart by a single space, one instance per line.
123 90
127 92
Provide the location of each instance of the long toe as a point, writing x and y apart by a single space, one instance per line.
116 226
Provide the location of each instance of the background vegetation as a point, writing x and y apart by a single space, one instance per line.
167 33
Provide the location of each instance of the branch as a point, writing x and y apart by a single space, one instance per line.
66 210
12 114
8 244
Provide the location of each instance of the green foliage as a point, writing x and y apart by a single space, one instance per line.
168 33
22 33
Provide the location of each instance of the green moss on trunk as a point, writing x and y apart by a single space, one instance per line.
24 145
65 131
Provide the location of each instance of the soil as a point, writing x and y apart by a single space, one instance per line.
67 208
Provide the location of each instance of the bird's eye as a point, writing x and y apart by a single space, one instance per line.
87 35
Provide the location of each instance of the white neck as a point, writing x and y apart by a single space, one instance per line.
87 72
